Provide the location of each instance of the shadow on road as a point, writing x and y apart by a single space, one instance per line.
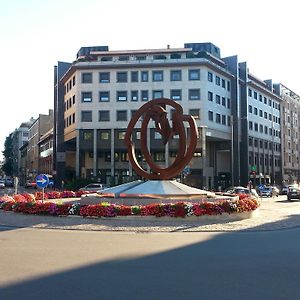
237 265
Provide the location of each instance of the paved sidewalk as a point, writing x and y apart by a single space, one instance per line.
273 214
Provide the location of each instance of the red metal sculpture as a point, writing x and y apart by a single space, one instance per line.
156 110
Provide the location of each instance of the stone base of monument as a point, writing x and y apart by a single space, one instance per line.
151 191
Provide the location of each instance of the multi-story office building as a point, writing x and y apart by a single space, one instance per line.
37 130
20 137
290 129
238 116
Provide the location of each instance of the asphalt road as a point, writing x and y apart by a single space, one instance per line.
63 264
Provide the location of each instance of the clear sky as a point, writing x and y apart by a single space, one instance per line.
35 34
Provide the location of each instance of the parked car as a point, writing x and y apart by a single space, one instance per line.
293 193
93 187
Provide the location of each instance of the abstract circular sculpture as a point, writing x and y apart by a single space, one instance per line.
156 110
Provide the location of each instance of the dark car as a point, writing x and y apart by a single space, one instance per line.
293 193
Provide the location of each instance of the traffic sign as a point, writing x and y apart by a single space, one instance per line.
260 186
42 181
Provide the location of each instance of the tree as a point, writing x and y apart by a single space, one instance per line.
7 167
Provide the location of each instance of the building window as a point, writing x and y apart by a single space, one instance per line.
210 115
157 94
104 96
224 101
103 115
145 76
176 95
104 77
86 96
121 76
194 94
104 135
209 76
121 115
86 78
121 135
123 57
86 116
250 125
140 57
87 135
223 83
134 76
218 99
195 113
223 119
218 80
157 76
210 96
121 95
250 108
133 111
194 74
145 95
175 75
159 156
134 96
157 135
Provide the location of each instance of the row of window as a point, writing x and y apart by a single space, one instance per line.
70 120
263 99
264 160
121 115
264 129
70 84
219 119
263 114
156 75
143 95
218 99
69 103
263 144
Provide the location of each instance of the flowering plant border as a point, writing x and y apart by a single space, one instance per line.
30 204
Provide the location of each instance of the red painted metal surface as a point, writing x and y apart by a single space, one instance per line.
156 110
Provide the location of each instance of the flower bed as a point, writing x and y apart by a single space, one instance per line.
31 204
